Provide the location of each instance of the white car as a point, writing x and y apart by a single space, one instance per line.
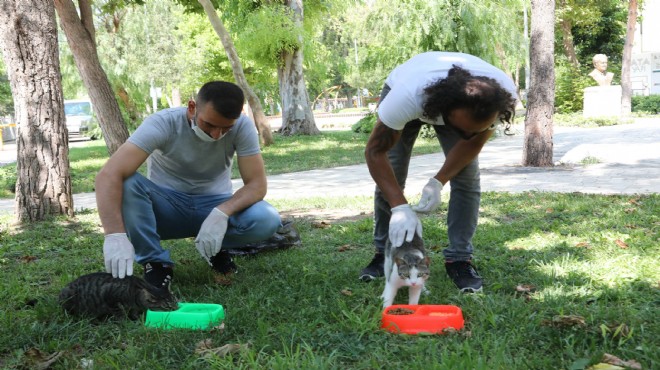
80 118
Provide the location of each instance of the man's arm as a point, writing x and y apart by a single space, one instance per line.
462 153
381 140
109 185
254 187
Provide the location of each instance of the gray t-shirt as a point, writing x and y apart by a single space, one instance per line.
182 161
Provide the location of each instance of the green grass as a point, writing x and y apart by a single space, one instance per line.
288 154
588 255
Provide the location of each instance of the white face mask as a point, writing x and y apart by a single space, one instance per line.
201 134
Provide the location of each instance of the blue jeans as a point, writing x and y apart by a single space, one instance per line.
464 200
152 213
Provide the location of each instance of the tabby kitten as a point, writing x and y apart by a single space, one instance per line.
407 265
99 296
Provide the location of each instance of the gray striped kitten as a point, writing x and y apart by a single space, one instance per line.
407 265
99 296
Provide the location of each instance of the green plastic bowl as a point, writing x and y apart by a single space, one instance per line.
198 316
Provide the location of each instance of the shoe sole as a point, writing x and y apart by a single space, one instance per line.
367 278
471 290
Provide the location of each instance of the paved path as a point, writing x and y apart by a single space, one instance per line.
627 156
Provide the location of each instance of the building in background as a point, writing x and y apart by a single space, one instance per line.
645 68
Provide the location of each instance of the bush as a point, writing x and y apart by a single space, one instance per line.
8 177
577 120
365 124
646 104
569 88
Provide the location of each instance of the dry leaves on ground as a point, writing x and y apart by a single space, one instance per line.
621 244
205 348
35 359
565 321
611 362
345 247
321 224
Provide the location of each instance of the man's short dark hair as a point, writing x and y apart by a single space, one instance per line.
227 98
481 96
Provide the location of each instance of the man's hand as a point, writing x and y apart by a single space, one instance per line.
211 234
118 253
403 224
430 199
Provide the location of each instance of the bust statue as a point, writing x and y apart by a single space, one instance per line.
600 74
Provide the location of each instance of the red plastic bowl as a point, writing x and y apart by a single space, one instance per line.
430 319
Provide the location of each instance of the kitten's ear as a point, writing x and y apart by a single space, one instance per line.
427 260
399 261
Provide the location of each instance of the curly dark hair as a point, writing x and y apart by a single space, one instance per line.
481 96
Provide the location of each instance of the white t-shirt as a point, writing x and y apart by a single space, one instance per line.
182 161
407 82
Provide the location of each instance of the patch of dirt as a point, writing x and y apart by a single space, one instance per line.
330 215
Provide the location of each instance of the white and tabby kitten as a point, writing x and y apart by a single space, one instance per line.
407 265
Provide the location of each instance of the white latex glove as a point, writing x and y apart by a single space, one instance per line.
211 234
403 224
430 199
118 253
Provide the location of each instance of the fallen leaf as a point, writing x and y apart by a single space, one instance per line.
449 330
602 366
222 279
583 245
525 288
320 225
28 259
621 244
613 360
564 321
549 210
347 292
345 247
618 330
35 359
634 201
630 210
218 328
221 351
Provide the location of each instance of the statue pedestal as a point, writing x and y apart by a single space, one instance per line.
602 101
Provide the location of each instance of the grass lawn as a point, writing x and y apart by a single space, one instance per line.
288 154
594 257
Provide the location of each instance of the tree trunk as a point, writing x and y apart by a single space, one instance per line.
537 148
80 37
29 45
255 104
567 37
626 83
297 116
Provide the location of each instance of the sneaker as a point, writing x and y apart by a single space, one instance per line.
158 275
223 263
286 236
375 268
464 275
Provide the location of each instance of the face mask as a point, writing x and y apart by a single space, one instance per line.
201 134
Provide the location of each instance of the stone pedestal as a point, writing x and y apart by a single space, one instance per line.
602 101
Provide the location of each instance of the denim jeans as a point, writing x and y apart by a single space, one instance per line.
152 213
464 200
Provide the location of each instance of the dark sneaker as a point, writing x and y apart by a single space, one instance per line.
464 275
286 236
375 268
223 263
158 275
